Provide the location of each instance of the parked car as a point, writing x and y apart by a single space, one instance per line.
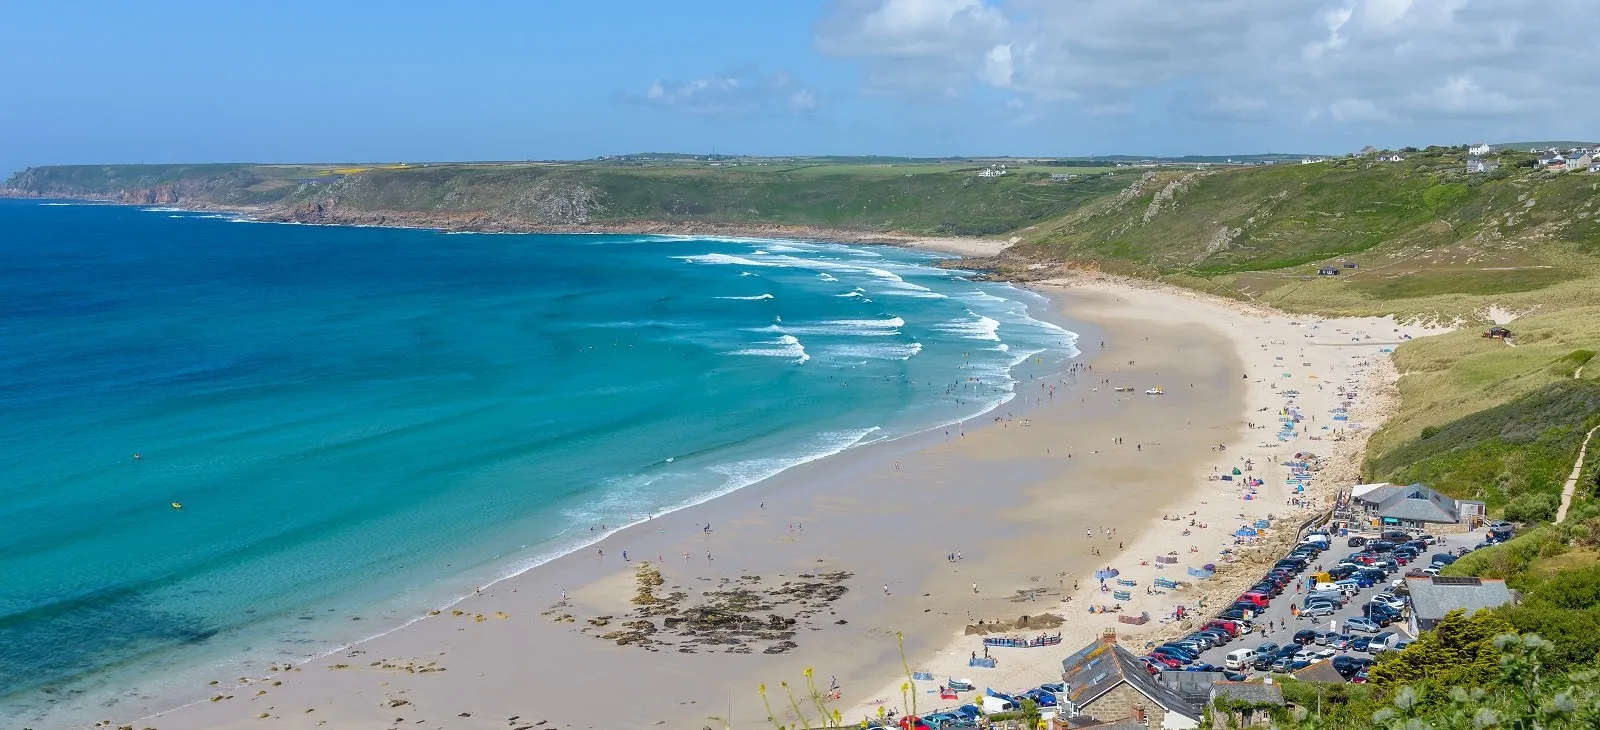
1232 614
1356 541
1318 654
1389 599
1163 660
1340 642
1442 559
1364 625
1266 647
1318 610
1383 642
1043 698
1305 636
1360 643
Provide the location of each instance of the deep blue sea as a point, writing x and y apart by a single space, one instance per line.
368 422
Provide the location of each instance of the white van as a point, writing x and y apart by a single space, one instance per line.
991 704
1239 658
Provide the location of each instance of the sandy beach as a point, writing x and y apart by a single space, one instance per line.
1026 497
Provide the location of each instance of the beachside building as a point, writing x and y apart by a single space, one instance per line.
1392 158
1106 682
1434 597
1478 164
1410 507
1479 149
1580 161
1328 271
1552 161
1244 704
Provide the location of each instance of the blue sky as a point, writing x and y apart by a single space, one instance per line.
301 81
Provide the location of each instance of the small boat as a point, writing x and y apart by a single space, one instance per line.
1158 390
177 505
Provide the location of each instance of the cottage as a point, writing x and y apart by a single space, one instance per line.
1106 682
1477 164
1434 597
1392 158
1244 704
1409 506
1552 161
1479 149
1580 161
1328 271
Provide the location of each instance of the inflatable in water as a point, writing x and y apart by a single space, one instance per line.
177 505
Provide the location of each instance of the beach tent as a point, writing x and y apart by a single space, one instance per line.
1245 532
1107 574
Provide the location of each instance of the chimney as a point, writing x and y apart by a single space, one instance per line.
1109 636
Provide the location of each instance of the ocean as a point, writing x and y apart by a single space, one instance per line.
225 442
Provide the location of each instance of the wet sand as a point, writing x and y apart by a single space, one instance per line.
1014 493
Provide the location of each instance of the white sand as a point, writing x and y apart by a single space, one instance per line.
1322 357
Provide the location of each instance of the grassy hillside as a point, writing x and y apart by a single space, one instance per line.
1425 237
931 199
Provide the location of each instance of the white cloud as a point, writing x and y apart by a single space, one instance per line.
1357 110
740 93
1321 61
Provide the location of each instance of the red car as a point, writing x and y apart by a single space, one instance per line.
1258 599
1232 627
912 722
1164 661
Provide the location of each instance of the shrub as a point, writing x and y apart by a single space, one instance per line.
1531 508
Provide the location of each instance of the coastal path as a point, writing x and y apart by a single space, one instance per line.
1572 480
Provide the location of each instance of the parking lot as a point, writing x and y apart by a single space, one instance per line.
1279 616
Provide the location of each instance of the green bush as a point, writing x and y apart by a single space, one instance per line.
1531 508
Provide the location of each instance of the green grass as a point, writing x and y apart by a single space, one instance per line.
1476 282
1524 447
1450 376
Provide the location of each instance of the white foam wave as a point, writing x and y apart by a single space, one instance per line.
160 209
823 276
851 294
848 327
980 328
787 346
887 351
749 471
755 298
56 205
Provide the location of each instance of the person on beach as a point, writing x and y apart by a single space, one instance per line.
974 587
886 589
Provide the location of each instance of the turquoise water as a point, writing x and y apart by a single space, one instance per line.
363 423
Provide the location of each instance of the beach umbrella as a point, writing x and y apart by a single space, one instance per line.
1244 532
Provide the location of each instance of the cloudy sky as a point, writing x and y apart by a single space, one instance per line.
292 81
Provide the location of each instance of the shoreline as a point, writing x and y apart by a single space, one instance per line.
503 576
1025 505
1014 504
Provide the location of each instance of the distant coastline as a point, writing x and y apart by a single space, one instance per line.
478 222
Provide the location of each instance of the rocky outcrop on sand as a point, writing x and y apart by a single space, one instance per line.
735 615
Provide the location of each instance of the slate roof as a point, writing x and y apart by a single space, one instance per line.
1257 692
1411 502
1322 671
1102 665
1431 599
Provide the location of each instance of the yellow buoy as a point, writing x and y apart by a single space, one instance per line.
177 505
